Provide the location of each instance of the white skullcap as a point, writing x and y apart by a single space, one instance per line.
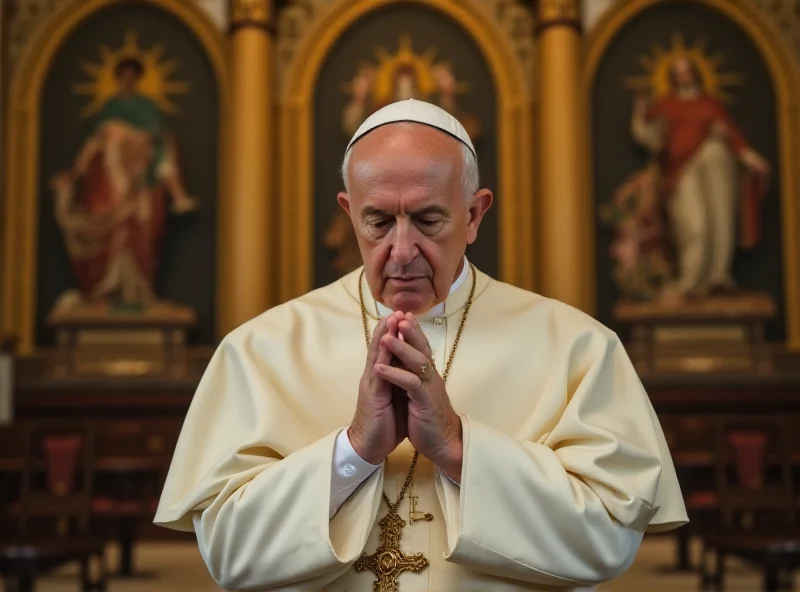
416 111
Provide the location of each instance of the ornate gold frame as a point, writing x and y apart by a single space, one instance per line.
296 114
19 226
786 75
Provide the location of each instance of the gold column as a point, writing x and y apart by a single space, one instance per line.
246 262
565 267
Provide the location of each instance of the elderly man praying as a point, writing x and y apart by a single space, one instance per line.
417 425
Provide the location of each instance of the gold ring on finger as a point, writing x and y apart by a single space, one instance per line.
426 370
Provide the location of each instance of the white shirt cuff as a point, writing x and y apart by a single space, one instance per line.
348 471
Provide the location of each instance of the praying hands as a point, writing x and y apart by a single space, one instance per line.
401 395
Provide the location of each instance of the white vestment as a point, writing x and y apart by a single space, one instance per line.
565 464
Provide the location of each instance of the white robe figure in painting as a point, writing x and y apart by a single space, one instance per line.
417 425
699 148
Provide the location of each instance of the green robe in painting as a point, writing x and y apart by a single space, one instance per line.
142 113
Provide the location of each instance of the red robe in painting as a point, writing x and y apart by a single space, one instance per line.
689 124
139 233
112 211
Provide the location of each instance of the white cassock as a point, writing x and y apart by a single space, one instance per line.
565 464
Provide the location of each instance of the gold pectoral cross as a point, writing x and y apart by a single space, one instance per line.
413 514
388 561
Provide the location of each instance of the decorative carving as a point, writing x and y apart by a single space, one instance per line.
293 22
517 23
514 17
558 11
785 15
249 11
29 14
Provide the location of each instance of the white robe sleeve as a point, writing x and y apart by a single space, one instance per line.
571 508
254 483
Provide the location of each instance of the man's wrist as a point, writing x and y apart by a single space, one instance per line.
359 449
450 460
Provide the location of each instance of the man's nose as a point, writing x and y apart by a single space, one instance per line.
404 246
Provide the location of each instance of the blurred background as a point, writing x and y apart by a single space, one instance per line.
169 171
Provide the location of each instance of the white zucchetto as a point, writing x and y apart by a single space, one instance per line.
415 111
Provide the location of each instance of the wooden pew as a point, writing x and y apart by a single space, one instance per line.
132 457
686 405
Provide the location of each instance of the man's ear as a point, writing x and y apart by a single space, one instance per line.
344 202
479 205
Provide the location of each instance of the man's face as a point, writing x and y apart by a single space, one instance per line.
684 74
410 214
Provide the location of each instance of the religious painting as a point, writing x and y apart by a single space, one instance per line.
685 153
405 75
129 168
112 202
675 219
380 61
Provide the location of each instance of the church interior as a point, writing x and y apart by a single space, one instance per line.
645 161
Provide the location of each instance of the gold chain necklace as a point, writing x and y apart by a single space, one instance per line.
388 561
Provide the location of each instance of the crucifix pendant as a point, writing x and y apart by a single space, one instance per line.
388 561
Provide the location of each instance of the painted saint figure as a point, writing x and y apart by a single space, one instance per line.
111 205
698 148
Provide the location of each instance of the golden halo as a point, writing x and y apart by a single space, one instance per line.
657 64
154 82
405 58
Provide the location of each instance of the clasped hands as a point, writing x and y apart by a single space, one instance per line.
400 397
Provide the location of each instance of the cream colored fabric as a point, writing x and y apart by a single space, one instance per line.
564 461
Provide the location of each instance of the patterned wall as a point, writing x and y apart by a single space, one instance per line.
30 13
593 10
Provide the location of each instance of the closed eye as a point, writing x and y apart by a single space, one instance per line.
380 224
430 225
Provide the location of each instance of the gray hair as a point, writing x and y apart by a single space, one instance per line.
470 175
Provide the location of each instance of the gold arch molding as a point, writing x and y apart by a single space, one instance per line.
296 109
19 246
786 76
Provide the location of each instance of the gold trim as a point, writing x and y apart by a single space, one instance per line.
18 297
786 76
246 263
252 11
558 11
515 150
